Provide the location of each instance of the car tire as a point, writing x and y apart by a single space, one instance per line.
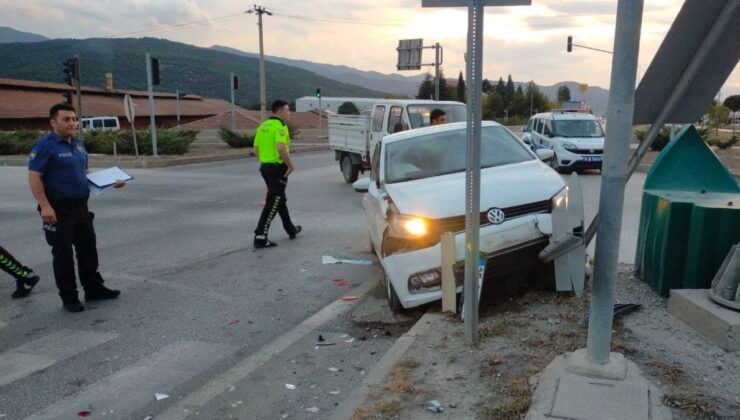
554 163
349 170
393 302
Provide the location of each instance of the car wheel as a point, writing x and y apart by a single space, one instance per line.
349 171
393 302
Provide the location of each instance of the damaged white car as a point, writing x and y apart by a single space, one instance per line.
416 192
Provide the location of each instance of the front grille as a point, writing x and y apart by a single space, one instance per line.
457 223
587 151
508 260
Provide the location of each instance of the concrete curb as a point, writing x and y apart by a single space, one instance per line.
160 162
381 370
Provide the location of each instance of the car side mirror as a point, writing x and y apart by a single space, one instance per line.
361 185
545 154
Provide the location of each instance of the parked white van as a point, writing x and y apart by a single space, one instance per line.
100 123
576 137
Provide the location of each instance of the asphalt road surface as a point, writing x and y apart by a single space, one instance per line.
219 328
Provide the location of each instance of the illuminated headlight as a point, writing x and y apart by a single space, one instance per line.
429 280
403 226
559 199
569 146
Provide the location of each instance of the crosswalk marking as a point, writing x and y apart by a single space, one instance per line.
131 389
39 354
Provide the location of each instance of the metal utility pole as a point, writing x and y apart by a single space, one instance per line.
233 108
437 62
177 103
614 176
79 95
152 122
259 10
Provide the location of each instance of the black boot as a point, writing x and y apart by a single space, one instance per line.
262 242
70 302
100 292
295 233
24 286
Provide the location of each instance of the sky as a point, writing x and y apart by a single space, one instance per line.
528 42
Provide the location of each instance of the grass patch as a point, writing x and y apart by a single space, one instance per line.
399 382
668 371
388 407
517 397
409 363
697 405
488 365
500 326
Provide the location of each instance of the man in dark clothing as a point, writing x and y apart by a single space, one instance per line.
272 147
57 175
25 278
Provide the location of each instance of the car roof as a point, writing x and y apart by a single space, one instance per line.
416 102
565 115
403 135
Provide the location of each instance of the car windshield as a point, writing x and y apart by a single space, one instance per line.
577 128
419 114
443 153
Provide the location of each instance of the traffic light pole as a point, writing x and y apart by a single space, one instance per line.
259 10
233 108
152 121
177 106
437 62
320 124
79 97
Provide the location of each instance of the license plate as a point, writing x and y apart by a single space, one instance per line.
592 158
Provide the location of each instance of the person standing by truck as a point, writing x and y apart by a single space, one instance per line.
25 278
272 147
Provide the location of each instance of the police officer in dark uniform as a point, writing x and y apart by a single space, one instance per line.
272 147
57 174
25 278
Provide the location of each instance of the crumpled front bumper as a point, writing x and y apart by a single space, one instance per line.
493 238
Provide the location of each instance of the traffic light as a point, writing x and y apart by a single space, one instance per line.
318 93
67 97
236 82
570 43
71 70
155 71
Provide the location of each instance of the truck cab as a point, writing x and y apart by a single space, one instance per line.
353 137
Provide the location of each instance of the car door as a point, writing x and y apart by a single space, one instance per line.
376 129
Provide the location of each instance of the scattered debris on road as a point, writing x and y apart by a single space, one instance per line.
435 406
160 397
327 259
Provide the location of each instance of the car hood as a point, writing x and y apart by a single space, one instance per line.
585 142
502 186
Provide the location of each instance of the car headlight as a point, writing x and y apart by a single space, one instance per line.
559 199
402 226
569 146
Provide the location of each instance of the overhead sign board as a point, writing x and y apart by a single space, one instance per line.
409 54
693 31
465 3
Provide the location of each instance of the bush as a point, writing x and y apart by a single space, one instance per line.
234 139
722 145
169 142
664 136
18 142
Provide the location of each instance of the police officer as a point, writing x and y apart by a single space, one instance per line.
25 278
272 147
57 175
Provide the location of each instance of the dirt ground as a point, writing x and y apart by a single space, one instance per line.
521 335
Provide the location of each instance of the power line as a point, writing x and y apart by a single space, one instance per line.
179 25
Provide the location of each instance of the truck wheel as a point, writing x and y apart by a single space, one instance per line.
349 171
393 301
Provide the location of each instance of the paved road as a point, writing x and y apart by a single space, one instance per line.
196 298
203 318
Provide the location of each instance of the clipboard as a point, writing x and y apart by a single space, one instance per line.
100 181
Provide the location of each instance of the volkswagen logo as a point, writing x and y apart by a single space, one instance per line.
496 216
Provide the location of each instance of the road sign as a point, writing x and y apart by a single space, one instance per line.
128 108
464 3
409 54
582 87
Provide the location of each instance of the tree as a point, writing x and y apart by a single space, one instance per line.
348 108
563 94
718 114
493 106
538 101
501 88
733 103
520 103
426 88
445 93
460 88
509 92
486 86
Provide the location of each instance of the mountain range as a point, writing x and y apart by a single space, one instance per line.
204 71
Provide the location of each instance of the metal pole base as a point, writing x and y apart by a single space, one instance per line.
615 368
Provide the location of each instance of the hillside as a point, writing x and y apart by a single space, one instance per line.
12 35
191 69
392 83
